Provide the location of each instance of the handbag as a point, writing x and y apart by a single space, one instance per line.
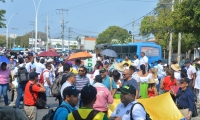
40 102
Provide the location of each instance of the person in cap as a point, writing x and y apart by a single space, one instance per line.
88 97
69 80
185 98
29 102
77 64
70 96
176 68
152 90
52 67
108 82
197 83
104 96
191 72
122 111
126 60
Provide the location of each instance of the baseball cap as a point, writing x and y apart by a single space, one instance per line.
50 60
102 70
32 75
128 89
185 79
71 90
88 92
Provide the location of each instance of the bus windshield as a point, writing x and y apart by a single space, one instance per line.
122 51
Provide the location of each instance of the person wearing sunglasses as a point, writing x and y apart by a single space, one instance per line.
108 82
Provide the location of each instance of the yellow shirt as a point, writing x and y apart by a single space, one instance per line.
84 112
129 62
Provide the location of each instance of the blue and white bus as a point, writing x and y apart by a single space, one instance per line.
152 50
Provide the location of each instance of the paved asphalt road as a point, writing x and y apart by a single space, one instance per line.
54 104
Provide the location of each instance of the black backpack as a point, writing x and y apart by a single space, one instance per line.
23 76
50 114
41 101
90 116
147 115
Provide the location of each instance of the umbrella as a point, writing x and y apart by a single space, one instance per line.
4 59
48 54
79 55
17 49
109 53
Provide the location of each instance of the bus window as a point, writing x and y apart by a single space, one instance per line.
125 49
150 51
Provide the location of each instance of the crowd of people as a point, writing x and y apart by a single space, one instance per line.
80 97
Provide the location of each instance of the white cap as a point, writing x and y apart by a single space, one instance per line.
12 56
165 65
50 60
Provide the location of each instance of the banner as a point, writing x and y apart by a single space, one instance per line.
161 107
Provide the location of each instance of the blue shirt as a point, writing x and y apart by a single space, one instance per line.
185 98
132 82
62 113
107 81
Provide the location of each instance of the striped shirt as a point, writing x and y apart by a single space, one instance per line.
81 82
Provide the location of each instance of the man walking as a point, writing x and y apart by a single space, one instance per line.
144 60
191 73
29 102
124 110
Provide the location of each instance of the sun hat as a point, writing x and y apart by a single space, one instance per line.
119 67
152 81
175 67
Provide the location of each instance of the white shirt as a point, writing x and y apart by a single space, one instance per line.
66 84
143 60
177 75
138 112
28 66
20 65
60 69
160 70
47 74
136 63
39 67
197 81
136 76
190 70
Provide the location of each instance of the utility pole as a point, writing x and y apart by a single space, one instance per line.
69 36
63 27
14 36
170 41
133 30
179 44
47 30
33 24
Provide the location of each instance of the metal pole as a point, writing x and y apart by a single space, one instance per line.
170 41
36 14
7 24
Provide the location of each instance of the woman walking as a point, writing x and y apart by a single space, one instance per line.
4 81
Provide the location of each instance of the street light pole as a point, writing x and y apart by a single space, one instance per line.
36 14
7 24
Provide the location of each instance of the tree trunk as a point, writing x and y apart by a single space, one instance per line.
188 54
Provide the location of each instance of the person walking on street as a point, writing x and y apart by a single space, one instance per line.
5 75
29 102
88 97
124 110
47 79
104 96
144 60
191 73
185 98
70 95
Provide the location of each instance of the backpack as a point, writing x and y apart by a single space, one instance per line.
147 115
41 101
42 77
23 75
90 116
57 84
50 114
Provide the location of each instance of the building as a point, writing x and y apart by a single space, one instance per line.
87 43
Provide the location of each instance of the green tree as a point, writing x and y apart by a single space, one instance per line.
2 19
58 44
113 34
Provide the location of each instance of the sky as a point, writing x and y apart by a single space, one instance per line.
84 17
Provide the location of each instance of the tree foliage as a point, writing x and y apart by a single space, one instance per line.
113 34
2 19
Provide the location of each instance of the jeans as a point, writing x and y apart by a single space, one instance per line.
4 90
20 91
47 90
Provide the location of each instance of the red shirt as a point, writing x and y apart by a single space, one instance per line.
167 82
28 98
